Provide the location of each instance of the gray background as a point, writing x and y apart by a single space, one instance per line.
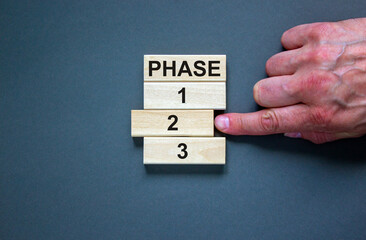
71 72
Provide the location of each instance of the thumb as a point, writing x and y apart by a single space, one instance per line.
322 137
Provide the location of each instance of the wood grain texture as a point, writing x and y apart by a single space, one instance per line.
210 95
154 123
158 75
166 150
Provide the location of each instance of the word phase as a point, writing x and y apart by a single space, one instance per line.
201 71
181 93
185 68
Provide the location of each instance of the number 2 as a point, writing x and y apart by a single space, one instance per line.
171 127
183 150
183 92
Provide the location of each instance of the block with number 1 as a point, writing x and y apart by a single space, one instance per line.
185 95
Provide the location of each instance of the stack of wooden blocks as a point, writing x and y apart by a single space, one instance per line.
181 93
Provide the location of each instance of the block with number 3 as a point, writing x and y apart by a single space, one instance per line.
184 150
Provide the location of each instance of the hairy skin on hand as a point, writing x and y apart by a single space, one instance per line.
316 89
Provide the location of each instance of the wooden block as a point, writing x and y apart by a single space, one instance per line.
185 68
155 123
184 95
184 150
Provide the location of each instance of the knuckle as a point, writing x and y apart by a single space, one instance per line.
319 54
312 81
320 117
269 121
318 80
289 87
319 30
239 123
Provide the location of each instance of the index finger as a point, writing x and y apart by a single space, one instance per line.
295 118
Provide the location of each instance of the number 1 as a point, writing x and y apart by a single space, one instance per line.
183 92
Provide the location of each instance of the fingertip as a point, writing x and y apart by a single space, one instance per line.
222 122
256 92
231 123
270 66
293 37
284 38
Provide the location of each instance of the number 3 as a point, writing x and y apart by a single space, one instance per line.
183 150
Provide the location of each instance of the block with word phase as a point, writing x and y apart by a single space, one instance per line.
154 123
184 150
185 68
185 95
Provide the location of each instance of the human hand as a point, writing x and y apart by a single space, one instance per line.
316 90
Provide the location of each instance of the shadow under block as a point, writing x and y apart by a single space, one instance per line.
185 95
185 68
184 150
155 123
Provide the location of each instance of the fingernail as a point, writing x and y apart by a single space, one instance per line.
293 135
222 122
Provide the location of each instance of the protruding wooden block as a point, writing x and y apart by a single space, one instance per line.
184 95
185 68
184 150
155 123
